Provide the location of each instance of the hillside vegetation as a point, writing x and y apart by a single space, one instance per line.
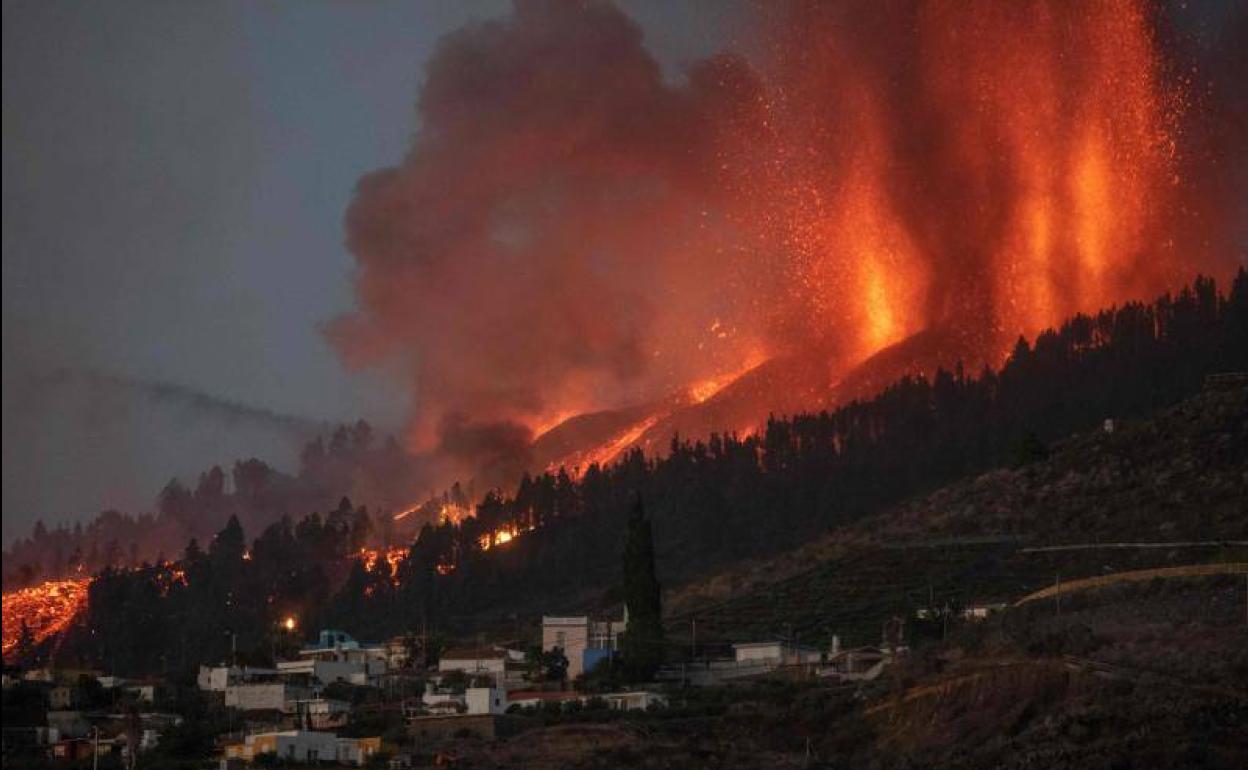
730 498
1177 476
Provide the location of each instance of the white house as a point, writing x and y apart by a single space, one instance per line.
620 701
336 657
357 751
304 746
321 713
486 700
217 678
583 641
291 745
859 663
481 661
325 671
774 653
266 696
639 700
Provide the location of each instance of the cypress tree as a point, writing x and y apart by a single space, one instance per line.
24 653
643 639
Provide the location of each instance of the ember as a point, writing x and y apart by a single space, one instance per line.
502 536
393 556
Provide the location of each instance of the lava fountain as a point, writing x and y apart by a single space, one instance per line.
573 234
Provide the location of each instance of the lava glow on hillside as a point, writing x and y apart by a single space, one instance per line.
46 609
865 173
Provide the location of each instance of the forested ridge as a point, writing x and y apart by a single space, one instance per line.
349 461
711 502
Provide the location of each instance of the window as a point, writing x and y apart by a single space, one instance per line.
561 640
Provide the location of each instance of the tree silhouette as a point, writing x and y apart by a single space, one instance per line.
643 639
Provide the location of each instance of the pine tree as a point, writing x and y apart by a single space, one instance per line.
24 653
643 639
229 544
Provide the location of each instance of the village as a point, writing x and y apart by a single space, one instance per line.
346 702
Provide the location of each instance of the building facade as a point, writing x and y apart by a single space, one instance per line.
583 641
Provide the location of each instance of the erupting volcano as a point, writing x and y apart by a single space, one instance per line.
578 255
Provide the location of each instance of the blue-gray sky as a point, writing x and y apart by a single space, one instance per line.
175 176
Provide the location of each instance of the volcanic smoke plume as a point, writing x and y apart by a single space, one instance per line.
570 232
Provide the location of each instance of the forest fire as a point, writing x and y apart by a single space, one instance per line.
393 556
502 536
45 609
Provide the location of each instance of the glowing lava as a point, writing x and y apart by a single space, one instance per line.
704 390
46 609
608 452
863 176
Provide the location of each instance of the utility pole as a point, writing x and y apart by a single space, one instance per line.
1058 595
95 748
693 641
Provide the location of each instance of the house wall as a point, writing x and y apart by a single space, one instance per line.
760 653
260 744
214 678
327 671
572 636
634 701
486 700
217 678
263 697
804 655
356 751
492 666
306 746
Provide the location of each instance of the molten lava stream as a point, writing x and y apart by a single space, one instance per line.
46 609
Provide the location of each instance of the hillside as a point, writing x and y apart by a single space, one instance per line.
1181 474
1138 676
1177 476
840 480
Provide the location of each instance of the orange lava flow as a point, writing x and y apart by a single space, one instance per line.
46 609
607 452
704 390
